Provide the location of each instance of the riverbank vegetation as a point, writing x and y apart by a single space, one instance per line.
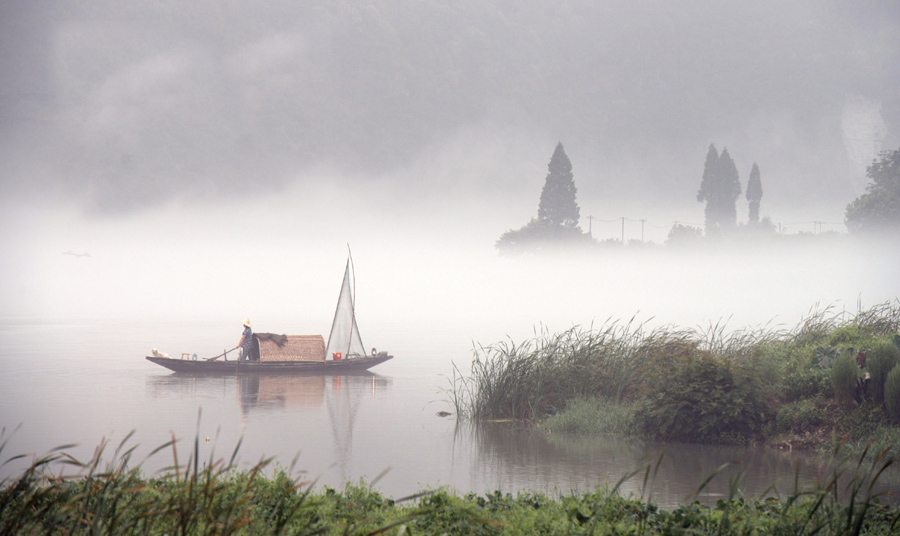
829 380
215 498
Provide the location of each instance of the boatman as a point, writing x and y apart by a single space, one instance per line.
246 342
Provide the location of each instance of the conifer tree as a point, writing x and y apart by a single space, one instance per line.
754 193
720 188
730 190
708 183
557 206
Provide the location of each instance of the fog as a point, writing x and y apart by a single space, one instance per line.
280 260
216 161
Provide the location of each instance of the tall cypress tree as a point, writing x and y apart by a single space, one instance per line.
754 193
557 206
720 188
730 190
708 184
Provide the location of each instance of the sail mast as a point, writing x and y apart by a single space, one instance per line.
344 337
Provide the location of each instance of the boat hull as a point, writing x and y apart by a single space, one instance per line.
265 367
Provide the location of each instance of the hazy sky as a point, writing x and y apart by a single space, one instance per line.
170 127
121 105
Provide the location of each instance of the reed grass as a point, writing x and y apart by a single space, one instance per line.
195 498
619 361
539 376
593 416
209 497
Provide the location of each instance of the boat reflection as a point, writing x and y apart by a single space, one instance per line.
266 392
277 392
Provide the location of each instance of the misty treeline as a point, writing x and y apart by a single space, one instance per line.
557 221
720 189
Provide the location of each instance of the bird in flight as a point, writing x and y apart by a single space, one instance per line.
76 255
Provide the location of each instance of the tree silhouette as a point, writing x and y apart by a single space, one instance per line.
557 206
879 207
557 220
719 188
754 193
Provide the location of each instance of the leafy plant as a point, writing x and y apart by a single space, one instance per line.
703 399
800 416
879 361
845 378
892 393
825 356
808 383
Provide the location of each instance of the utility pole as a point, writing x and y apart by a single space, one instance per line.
590 220
623 230
642 231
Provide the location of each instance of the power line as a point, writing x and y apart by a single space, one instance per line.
818 226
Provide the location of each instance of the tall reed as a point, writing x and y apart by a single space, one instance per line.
624 361
528 380
191 499
111 497
879 361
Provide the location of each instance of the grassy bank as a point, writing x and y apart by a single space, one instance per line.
214 498
796 388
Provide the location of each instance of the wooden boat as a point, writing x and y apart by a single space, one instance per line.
280 354
329 366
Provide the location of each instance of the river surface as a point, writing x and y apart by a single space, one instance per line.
85 381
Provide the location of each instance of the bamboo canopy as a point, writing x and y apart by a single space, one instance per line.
294 348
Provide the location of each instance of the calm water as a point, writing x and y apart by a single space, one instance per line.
67 381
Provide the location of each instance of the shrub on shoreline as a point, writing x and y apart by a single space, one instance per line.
883 357
704 400
695 385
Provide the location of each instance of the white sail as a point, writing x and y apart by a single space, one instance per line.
344 337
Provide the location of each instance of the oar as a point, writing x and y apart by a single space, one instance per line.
225 353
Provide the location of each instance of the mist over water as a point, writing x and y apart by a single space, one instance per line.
278 260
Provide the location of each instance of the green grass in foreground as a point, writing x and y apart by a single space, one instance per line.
214 498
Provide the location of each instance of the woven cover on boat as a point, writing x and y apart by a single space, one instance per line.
297 348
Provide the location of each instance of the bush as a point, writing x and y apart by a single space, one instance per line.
809 383
704 400
845 378
879 361
892 393
849 334
800 416
537 234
